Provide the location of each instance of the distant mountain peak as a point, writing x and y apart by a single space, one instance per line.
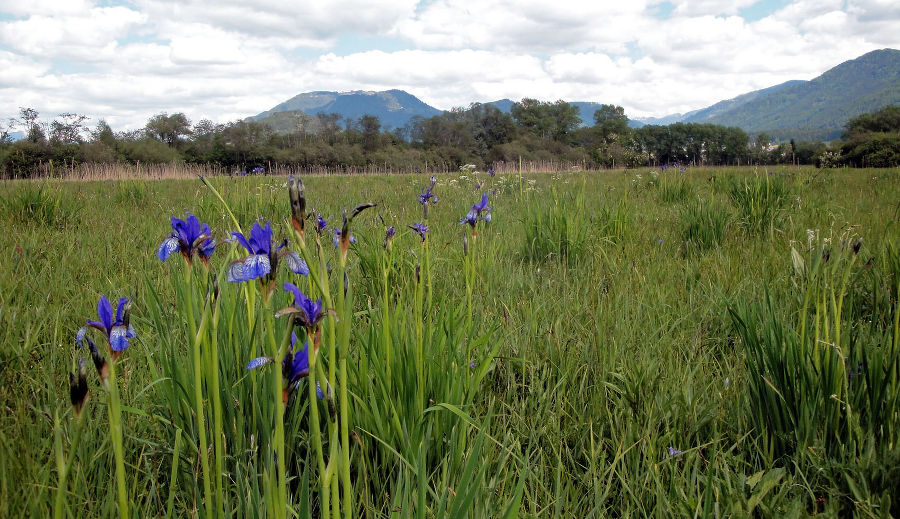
394 108
814 109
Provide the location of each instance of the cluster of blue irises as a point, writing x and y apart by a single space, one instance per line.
191 239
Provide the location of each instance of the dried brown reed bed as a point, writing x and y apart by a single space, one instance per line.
121 171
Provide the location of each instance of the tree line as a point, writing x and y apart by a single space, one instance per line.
480 134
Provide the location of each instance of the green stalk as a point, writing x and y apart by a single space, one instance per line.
198 391
386 329
218 429
332 356
314 420
420 353
173 476
115 430
278 354
63 463
344 327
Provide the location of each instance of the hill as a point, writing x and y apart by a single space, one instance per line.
393 108
814 109
805 110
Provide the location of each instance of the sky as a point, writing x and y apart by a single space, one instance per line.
125 61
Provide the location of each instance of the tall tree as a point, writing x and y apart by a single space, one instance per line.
168 128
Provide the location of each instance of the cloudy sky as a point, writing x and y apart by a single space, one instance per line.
125 61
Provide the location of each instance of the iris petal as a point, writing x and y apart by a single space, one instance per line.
261 238
235 273
296 264
121 307
167 248
104 312
257 362
257 266
79 337
207 249
243 241
118 338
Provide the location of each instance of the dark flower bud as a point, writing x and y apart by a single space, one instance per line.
856 245
298 203
78 389
99 362
418 269
826 255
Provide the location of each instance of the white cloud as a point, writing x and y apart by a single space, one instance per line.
307 22
525 25
710 7
88 36
237 58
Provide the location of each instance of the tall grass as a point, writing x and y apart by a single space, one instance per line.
465 379
760 201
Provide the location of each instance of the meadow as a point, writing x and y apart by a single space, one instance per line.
699 342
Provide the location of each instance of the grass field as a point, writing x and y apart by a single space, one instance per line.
713 342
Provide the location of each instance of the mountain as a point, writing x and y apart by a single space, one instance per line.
814 109
805 110
393 108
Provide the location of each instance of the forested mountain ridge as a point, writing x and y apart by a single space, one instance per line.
814 109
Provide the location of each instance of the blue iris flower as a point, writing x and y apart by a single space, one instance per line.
294 366
420 228
117 330
480 211
188 237
336 239
427 196
306 311
263 258
321 224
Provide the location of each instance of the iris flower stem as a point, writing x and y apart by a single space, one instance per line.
314 419
196 339
470 283
428 326
345 312
385 323
420 350
64 464
115 430
217 409
277 353
332 357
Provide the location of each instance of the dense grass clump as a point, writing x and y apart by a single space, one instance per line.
703 225
38 204
557 230
594 347
760 201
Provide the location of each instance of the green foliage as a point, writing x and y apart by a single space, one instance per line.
38 205
824 382
760 201
703 225
584 377
673 189
558 230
